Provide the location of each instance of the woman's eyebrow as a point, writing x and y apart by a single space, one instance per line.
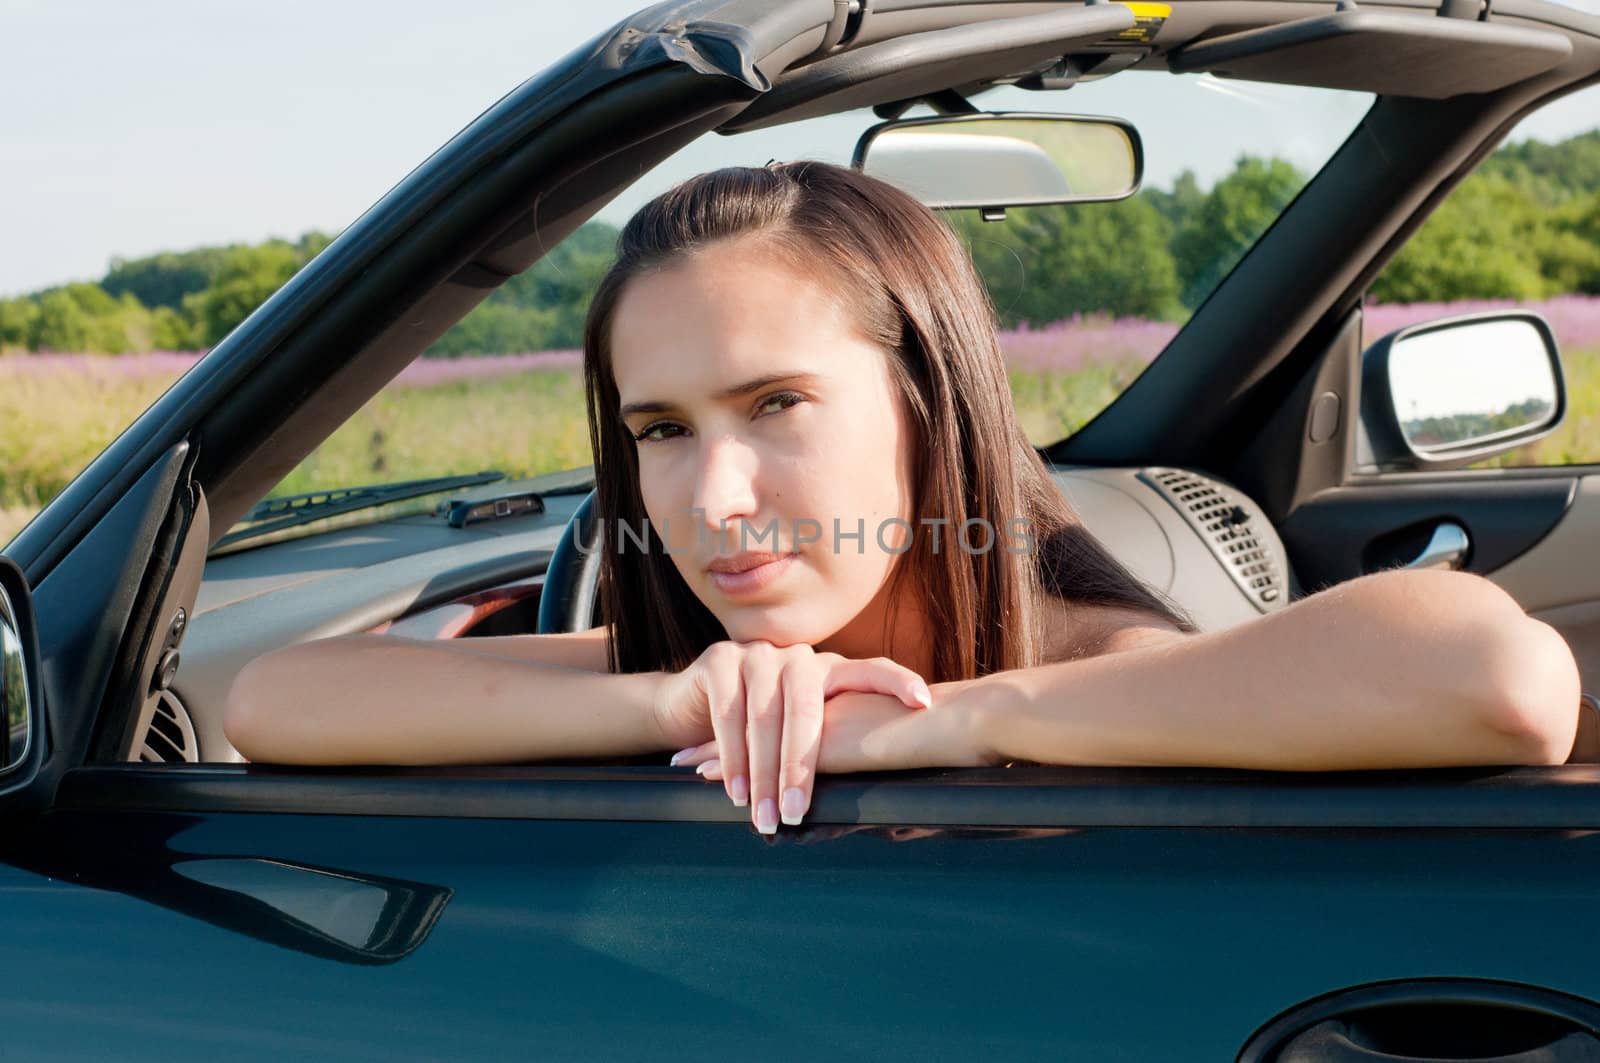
784 376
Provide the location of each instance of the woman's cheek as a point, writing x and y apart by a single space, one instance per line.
667 516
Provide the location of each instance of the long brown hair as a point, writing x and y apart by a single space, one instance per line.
913 288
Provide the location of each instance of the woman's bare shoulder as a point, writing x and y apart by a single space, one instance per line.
1080 630
588 650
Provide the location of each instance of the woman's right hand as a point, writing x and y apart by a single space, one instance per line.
761 707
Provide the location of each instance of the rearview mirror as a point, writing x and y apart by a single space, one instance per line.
1005 160
1449 393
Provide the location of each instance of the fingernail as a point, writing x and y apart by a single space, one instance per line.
924 695
767 816
708 766
741 790
680 754
794 806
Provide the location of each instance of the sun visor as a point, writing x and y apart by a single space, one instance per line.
921 63
1389 54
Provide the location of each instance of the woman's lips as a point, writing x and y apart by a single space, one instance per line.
751 580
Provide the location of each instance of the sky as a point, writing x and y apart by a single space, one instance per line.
128 129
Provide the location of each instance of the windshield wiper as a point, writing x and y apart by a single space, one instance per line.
276 514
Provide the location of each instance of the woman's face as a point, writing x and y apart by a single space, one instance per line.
759 410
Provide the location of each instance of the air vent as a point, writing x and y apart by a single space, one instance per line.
170 738
1227 521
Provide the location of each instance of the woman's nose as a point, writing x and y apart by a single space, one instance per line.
725 483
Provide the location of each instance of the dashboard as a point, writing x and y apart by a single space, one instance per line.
1193 537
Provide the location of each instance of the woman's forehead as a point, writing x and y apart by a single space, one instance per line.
726 317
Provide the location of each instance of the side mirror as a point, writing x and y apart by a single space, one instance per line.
1004 160
20 703
1448 393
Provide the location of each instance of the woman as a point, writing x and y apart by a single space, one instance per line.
828 546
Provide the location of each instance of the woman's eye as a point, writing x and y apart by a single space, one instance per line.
791 397
647 433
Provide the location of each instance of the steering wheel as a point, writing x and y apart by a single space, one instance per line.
572 581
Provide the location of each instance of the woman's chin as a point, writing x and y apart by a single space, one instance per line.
775 623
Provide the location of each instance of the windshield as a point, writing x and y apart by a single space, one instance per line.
1087 295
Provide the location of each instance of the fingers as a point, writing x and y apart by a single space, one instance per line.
694 755
764 712
879 675
725 696
766 705
802 736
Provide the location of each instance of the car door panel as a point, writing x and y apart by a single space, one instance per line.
1560 569
1557 581
1533 534
1117 938
1348 531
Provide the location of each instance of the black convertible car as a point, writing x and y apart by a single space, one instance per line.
165 899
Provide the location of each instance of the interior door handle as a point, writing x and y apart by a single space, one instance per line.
1333 1041
1447 548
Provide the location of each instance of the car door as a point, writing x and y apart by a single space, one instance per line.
1530 517
170 912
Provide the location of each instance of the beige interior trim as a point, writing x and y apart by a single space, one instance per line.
1561 568
1580 625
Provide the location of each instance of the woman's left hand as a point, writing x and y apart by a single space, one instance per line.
866 731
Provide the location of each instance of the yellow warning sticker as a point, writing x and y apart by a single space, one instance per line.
1147 22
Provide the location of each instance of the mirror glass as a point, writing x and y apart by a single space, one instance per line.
1472 382
13 686
1004 160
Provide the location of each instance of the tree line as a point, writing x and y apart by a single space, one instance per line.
1525 225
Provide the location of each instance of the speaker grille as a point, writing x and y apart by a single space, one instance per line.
1229 528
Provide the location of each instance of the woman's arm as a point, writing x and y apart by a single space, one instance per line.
1395 669
589 650
378 699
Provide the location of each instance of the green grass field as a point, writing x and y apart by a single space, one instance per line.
527 423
